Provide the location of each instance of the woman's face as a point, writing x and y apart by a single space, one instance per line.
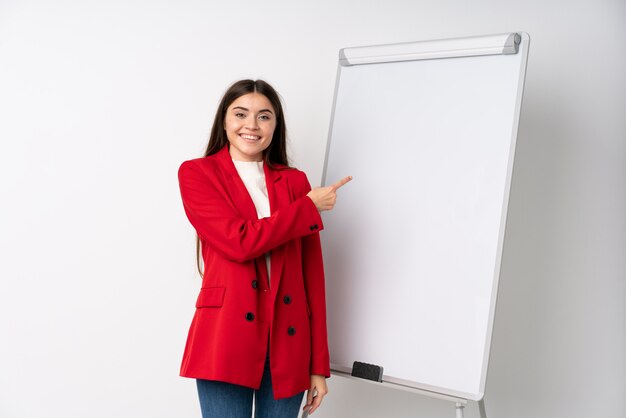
249 124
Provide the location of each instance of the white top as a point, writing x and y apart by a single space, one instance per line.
253 177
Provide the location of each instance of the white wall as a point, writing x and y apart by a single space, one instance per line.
101 101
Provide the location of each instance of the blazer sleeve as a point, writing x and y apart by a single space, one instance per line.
314 282
232 236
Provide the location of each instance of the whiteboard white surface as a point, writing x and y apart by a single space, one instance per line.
412 251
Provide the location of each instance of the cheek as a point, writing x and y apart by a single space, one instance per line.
230 127
270 130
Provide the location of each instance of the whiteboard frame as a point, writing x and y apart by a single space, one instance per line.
508 43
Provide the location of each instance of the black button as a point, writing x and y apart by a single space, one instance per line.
291 330
287 299
250 316
255 284
313 227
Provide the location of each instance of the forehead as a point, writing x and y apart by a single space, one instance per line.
254 102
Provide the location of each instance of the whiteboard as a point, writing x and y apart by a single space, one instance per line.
412 250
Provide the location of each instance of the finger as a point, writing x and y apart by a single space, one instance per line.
309 399
317 401
341 182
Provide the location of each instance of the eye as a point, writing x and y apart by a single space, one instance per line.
240 115
265 117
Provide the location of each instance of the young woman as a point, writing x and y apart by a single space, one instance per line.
260 324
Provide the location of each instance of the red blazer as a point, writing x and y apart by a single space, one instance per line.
238 314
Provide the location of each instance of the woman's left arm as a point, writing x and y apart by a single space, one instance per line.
314 285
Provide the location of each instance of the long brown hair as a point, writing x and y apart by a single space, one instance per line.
275 153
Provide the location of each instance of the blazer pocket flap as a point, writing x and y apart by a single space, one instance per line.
210 297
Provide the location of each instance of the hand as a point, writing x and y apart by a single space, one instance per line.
325 197
316 393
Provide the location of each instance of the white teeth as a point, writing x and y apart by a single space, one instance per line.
253 137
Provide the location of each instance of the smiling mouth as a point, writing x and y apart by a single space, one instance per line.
250 137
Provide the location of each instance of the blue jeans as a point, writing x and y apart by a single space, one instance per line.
226 400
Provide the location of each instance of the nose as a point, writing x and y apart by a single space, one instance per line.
252 123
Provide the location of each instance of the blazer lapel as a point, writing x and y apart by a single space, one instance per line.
279 196
239 194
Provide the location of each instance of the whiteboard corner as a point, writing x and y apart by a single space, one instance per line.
343 59
478 396
524 35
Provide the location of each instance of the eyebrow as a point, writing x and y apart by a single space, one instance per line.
247 110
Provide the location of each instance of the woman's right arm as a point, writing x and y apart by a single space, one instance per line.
233 236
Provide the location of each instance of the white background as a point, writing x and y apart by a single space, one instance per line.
101 101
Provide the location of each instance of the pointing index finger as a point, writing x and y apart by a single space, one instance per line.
341 182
